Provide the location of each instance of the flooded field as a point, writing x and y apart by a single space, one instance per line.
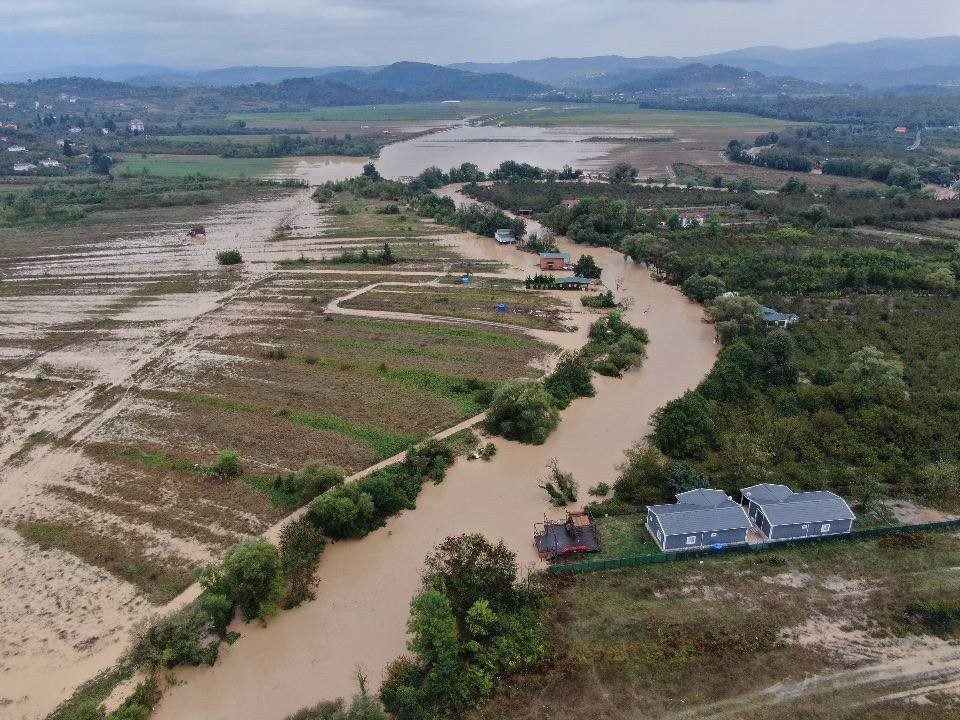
312 653
153 358
131 358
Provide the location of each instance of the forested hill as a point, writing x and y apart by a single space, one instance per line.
699 78
430 82
400 82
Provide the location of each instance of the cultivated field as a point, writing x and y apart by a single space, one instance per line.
387 112
131 358
170 165
632 116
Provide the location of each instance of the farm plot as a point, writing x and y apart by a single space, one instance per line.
524 309
132 359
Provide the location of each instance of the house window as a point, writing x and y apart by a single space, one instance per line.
804 527
691 539
825 527
713 535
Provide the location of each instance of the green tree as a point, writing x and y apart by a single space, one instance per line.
874 377
587 267
643 476
942 280
622 174
523 410
683 427
735 315
703 288
301 546
251 577
776 362
370 171
684 477
571 379
435 640
229 464
315 478
469 567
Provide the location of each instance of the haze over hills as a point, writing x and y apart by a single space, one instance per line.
878 63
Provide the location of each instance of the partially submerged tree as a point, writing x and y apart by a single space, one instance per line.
523 410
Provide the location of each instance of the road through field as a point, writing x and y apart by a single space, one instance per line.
358 619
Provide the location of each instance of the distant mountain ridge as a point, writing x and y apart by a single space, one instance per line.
887 62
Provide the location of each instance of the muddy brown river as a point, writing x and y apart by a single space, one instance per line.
358 619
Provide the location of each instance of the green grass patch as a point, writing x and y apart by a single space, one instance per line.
386 112
162 165
623 536
480 337
383 442
630 115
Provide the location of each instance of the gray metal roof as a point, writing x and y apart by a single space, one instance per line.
705 497
798 508
684 519
771 315
766 492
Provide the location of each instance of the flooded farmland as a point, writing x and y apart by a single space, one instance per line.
312 653
147 320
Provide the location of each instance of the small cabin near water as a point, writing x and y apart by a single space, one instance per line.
782 514
699 519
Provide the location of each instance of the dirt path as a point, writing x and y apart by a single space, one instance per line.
359 616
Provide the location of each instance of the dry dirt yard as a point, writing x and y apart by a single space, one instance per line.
130 358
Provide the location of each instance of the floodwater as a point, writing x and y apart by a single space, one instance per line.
486 147
358 619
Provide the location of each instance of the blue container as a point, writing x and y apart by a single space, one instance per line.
501 308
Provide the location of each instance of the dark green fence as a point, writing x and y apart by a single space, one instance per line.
635 560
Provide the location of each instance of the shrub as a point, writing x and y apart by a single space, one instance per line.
344 512
643 476
313 480
301 546
229 257
429 461
523 410
560 486
388 499
176 640
599 490
276 353
251 576
488 451
683 427
229 464
600 300
571 379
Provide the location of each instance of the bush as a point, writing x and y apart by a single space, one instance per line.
683 427
571 379
301 546
229 257
176 640
139 706
523 410
643 476
251 577
599 490
344 512
429 461
229 464
560 486
313 480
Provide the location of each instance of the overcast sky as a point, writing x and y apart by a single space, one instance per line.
38 34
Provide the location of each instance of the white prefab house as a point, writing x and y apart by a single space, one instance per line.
699 519
782 514
505 236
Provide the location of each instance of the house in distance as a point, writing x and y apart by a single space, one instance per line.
699 519
554 260
782 514
505 236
